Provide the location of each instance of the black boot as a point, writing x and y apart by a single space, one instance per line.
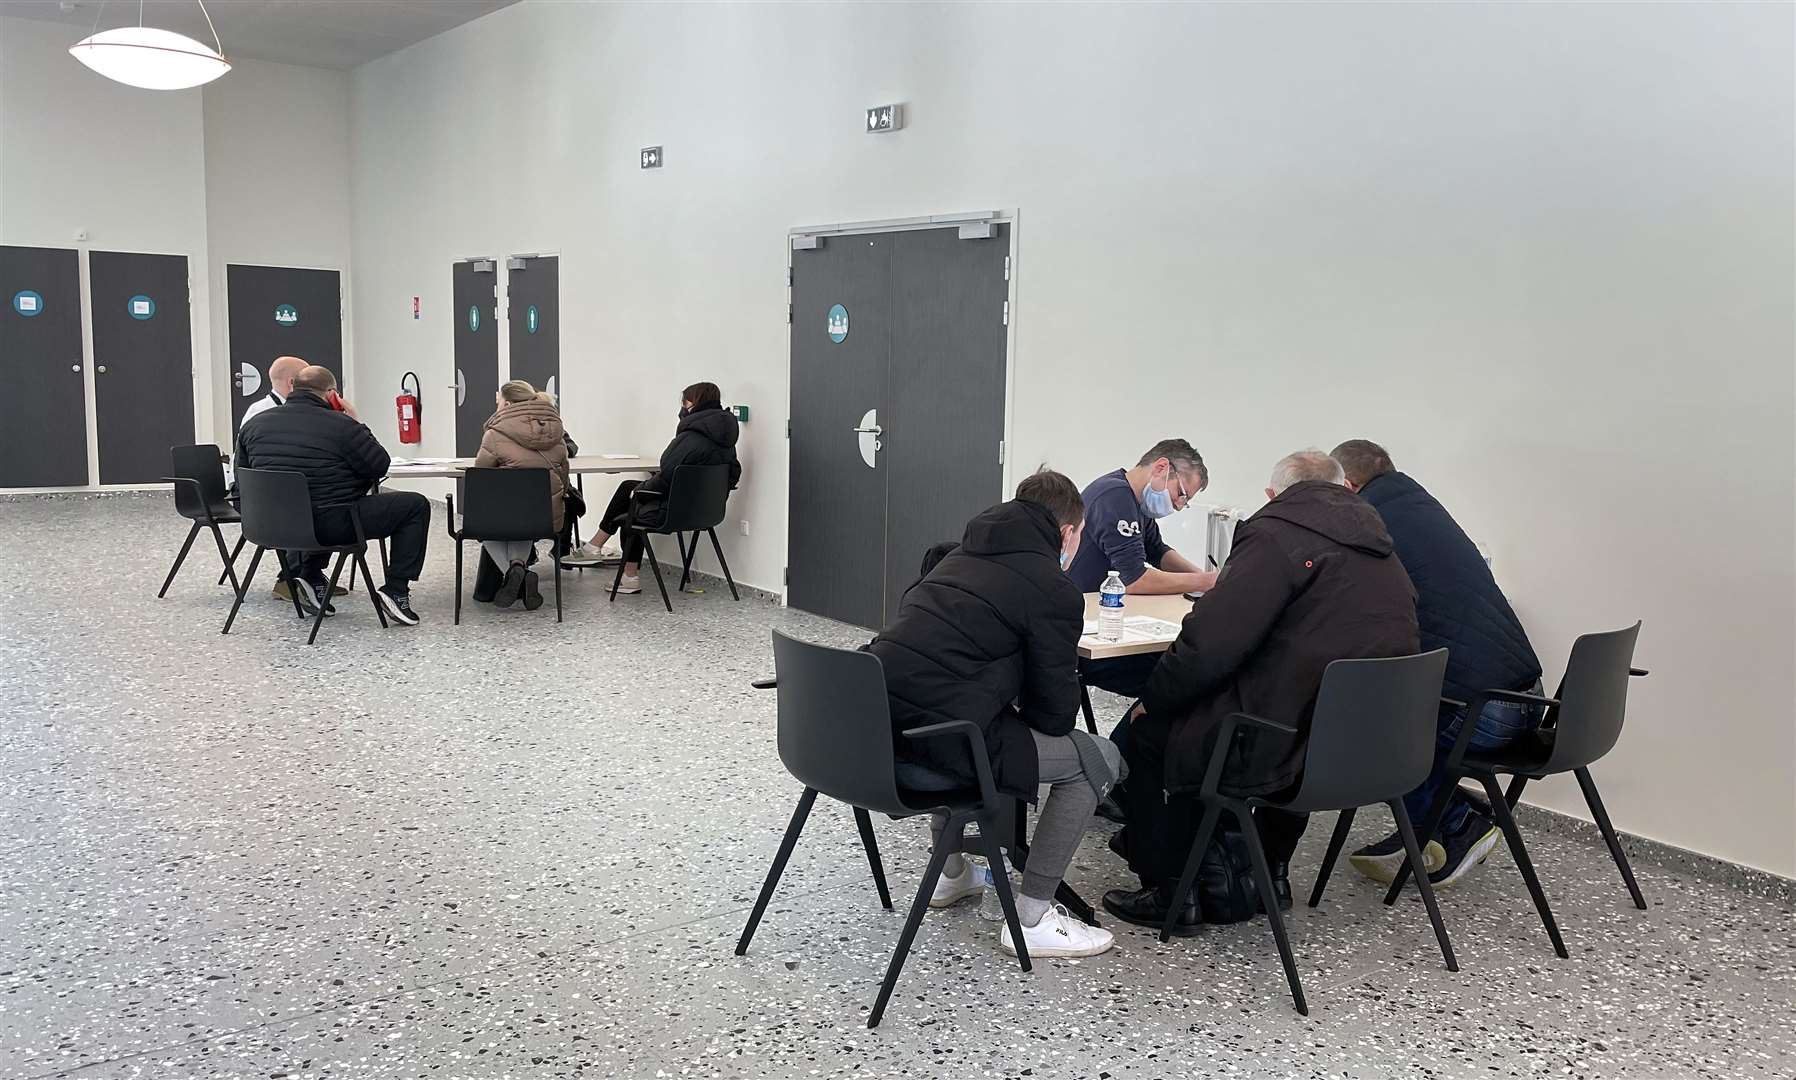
1281 886
1147 907
486 579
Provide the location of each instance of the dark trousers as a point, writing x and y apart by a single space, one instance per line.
402 517
617 511
1126 676
1161 828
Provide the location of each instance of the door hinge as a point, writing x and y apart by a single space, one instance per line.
788 277
788 314
788 427
1006 268
1000 451
1006 313
786 572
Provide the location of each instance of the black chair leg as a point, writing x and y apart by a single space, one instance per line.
911 923
1595 802
685 558
288 573
1427 887
1205 827
225 554
1335 844
721 561
329 590
1436 814
179 559
1513 794
619 579
231 560
648 548
556 559
865 823
361 562
1263 875
244 590
458 572
1091 720
1506 820
994 858
796 826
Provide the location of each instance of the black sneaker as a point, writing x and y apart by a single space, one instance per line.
1382 860
308 593
533 593
398 605
1465 848
511 587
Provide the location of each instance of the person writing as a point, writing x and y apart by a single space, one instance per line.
990 635
524 433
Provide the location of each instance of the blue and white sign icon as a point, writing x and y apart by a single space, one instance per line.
531 321
141 307
286 314
838 324
474 318
27 303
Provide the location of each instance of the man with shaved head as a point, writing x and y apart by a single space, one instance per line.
316 433
280 386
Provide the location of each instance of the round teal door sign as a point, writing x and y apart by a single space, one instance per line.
531 322
286 314
838 324
27 303
473 318
141 307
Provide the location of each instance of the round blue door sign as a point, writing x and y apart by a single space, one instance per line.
474 318
286 314
141 307
838 324
27 303
530 319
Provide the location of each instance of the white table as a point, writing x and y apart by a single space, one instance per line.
1172 608
586 463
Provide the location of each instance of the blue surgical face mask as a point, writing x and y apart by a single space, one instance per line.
1156 503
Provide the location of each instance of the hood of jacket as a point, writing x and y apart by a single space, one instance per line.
1014 527
534 425
714 423
1332 512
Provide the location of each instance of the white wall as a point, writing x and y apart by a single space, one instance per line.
1542 252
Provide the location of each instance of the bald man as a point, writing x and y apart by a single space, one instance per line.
280 386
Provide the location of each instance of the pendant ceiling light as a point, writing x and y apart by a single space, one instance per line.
152 59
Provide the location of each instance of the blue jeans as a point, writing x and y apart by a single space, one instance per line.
1499 724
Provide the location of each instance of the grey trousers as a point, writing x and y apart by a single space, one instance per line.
506 552
1064 815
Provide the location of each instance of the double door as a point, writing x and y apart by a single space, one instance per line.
533 338
898 371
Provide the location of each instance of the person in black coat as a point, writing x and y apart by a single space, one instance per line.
313 432
1462 610
707 435
1311 578
990 635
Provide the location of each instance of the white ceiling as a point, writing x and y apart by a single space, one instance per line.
318 33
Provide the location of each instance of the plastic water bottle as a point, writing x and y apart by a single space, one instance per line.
1110 608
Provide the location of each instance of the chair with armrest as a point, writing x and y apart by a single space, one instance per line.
278 513
695 503
197 474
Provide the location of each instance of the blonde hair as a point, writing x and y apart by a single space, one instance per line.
516 391
546 398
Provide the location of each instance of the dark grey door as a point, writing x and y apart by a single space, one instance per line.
43 420
281 311
476 352
143 362
943 413
533 297
836 528
921 364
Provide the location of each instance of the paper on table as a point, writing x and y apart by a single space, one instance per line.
423 461
620 457
1140 628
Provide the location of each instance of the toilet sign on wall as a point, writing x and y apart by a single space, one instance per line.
530 319
286 314
141 307
838 324
27 303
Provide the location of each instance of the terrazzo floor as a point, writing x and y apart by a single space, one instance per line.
517 849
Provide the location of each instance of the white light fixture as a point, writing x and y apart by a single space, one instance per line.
152 59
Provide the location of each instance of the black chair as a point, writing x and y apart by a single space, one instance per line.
504 504
694 504
1582 723
201 497
835 737
1371 741
277 513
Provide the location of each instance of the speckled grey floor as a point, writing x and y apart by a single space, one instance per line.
513 849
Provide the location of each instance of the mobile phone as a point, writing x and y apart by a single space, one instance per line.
332 399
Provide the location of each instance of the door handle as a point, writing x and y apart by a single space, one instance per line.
874 430
74 367
101 369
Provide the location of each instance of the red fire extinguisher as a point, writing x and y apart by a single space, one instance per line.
410 410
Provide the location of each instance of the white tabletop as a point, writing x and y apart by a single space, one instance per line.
585 463
1171 609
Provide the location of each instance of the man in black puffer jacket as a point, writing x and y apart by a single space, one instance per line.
991 636
1460 609
312 433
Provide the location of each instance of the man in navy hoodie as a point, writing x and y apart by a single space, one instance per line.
1460 608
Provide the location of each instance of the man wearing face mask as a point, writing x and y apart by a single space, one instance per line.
1121 534
991 636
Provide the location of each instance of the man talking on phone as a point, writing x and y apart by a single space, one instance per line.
315 432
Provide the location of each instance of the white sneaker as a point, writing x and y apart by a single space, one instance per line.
1059 934
584 555
950 891
629 585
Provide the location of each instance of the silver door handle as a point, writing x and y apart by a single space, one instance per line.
101 369
874 430
74 367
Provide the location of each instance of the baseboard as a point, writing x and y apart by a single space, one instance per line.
1756 882
716 581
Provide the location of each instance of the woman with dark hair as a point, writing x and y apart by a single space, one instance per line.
706 435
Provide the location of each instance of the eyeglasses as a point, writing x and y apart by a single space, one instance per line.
1183 496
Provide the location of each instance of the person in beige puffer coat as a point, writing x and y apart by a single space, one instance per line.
525 433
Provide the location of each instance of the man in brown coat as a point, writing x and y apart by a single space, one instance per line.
1311 579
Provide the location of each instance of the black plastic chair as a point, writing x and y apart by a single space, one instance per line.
695 500
1582 723
504 504
835 737
277 513
197 474
1371 741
